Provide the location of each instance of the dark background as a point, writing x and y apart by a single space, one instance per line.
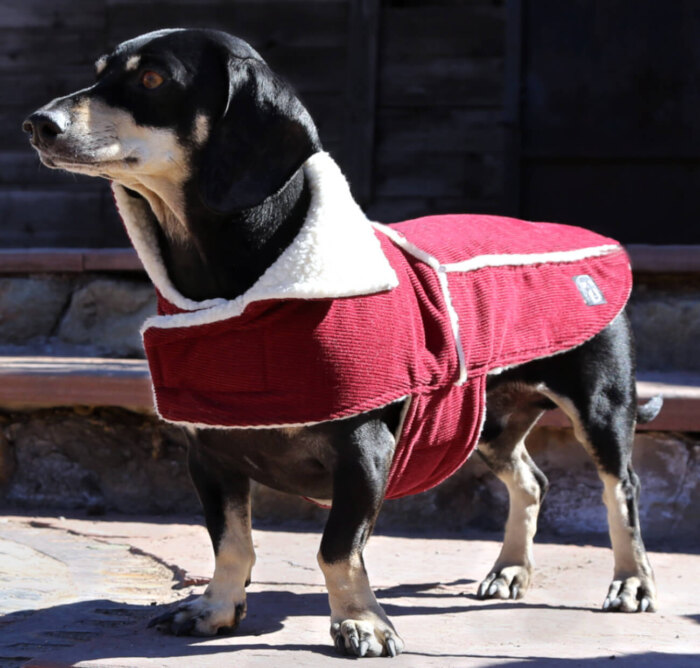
577 111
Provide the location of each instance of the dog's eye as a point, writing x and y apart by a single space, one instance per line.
151 79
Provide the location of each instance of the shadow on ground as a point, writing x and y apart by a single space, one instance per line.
103 630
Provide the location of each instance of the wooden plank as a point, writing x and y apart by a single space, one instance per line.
512 104
111 259
68 260
648 259
426 174
31 382
360 96
635 202
30 90
41 218
22 167
45 218
56 15
261 23
30 49
612 78
439 130
39 260
309 70
468 30
431 82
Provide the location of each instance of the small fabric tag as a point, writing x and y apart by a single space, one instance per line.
589 290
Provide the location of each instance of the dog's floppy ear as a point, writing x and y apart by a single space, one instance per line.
262 138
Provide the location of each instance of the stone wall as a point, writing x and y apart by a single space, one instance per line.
74 315
665 316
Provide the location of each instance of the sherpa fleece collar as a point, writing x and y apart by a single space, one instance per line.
335 254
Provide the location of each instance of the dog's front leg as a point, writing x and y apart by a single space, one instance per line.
511 412
226 502
359 625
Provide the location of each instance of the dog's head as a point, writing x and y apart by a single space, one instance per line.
177 108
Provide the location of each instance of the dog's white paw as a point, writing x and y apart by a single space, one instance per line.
633 594
363 637
204 616
506 582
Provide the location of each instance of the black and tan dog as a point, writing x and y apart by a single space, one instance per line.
192 127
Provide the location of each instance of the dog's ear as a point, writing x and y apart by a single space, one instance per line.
262 138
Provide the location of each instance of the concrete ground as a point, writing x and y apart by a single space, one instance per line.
78 592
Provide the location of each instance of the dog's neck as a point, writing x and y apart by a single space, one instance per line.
216 255
166 201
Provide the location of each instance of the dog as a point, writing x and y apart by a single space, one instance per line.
217 169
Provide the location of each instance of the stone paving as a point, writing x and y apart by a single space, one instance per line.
79 592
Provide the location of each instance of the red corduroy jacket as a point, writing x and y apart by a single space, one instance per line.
476 294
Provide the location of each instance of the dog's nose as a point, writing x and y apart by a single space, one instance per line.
43 127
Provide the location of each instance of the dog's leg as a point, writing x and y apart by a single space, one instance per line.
226 506
601 401
359 625
505 454
608 437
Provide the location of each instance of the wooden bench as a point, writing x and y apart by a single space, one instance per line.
46 382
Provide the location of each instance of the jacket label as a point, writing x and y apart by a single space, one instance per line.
590 292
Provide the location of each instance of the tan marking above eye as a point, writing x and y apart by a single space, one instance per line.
100 64
151 79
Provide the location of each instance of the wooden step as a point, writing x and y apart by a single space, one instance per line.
43 382
68 260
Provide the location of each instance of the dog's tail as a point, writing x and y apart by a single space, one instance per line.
648 411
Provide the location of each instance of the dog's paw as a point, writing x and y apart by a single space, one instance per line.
633 594
507 582
361 637
201 617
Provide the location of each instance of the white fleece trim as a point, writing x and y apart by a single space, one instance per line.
525 259
402 242
454 324
137 217
335 254
286 425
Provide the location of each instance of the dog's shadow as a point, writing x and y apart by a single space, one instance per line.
106 630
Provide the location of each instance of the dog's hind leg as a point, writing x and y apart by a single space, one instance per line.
608 439
503 449
601 402
359 625
226 504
